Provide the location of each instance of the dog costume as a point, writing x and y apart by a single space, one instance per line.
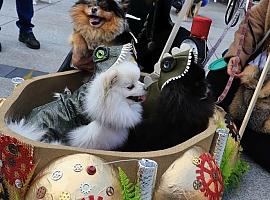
66 113
178 104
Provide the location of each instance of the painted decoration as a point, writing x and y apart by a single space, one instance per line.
77 176
194 176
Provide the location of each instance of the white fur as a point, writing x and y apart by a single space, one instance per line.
30 131
106 103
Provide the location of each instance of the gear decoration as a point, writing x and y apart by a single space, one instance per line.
17 160
85 188
209 175
65 196
41 192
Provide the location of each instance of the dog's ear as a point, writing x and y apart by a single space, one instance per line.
109 79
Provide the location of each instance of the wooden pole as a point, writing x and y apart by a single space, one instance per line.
255 97
174 32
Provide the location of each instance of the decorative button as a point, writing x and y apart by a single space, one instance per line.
78 168
197 185
18 183
11 162
91 170
65 196
13 149
85 188
196 161
109 191
56 175
41 192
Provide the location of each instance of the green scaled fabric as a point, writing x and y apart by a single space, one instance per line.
67 112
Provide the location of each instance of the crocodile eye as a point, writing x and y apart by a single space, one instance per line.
101 53
167 64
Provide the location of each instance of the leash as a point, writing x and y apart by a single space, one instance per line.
240 45
218 42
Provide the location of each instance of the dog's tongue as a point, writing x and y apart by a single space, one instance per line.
142 98
95 20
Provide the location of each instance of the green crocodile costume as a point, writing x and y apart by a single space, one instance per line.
66 113
168 73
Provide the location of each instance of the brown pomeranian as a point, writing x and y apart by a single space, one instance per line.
96 22
260 117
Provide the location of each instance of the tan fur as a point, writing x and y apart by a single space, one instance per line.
266 127
249 80
249 76
236 102
93 37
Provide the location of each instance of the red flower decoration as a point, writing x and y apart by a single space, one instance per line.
209 175
17 159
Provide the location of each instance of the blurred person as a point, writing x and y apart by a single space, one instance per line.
25 13
255 142
260 23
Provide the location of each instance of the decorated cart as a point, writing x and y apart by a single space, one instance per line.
198 168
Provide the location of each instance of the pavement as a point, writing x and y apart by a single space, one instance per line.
53 27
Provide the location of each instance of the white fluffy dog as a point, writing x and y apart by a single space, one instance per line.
112 102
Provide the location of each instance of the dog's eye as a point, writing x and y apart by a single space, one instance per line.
167 64
130 87
101 53
103 5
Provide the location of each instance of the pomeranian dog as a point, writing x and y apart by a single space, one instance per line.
96 22
260 117
183 105
111 102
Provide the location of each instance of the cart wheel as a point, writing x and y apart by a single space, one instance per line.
0 47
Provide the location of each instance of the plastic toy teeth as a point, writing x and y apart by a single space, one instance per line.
125 53
190 60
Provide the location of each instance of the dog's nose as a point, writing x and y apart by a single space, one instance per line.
94 10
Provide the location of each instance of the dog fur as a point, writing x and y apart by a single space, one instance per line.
260 118
183 110
112 102
96 23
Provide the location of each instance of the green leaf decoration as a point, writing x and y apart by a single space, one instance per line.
232 167
130 191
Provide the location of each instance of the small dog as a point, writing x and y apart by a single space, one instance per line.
183 106
260 117
96 22
112 103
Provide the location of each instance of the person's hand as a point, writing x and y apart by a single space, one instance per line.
234 61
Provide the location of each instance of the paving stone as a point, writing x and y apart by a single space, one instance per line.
5 70
21 72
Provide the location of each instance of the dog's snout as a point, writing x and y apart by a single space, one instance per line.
94 10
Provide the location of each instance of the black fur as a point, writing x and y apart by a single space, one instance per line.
183 110
107 5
